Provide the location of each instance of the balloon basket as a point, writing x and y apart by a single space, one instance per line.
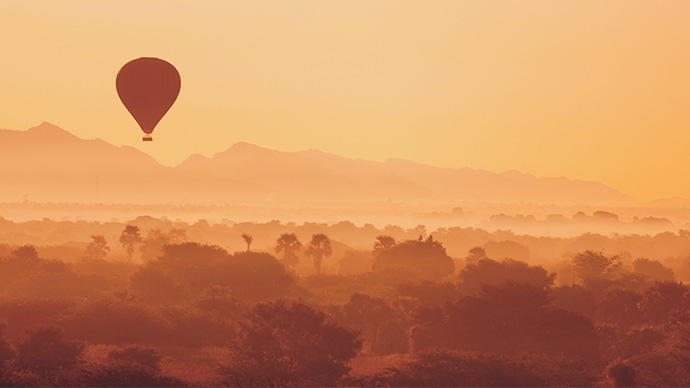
147 138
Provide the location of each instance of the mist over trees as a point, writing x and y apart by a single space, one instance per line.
193 305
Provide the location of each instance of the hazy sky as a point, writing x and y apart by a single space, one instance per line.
595 90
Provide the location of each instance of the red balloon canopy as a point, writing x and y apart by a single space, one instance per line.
148 87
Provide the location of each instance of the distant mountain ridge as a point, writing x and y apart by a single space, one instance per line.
47 163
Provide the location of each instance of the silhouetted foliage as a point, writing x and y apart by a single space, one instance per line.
177 236
289 245
653 269
383 242
372 316
114 321
156 285
247 240
220 300
475 254
24 274
621 307
287 343
508 319
184 271
98 248
26 253
592 266
46 351
414 259
319 247
491 272
577 299
152 246
446 368
637 341
664 300
129 237
132 366
255 275
189 307
666 364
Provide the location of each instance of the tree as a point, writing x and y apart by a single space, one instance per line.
132 366
20 260
289 245
447 368
414 259
152 245
653 269
26 253
319 246
177 236
248 238
621 307
287 343
486 271
129 238
665 300
186 270
593 266
475 254
668 363
46 351
383 242
98 247
511 318
368 315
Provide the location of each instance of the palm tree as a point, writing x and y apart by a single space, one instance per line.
319 246
129 238
247 239
289 245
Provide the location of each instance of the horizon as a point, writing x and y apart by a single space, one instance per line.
580 90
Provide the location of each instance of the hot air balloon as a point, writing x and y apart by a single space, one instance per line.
148 87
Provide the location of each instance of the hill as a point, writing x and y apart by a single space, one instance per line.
47 163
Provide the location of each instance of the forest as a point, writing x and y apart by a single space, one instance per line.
154 302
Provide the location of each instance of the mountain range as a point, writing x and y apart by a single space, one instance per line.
49 164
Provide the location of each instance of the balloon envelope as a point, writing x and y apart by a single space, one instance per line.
148 87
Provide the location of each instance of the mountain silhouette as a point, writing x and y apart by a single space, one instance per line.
47 163
304 174
509 186
311 175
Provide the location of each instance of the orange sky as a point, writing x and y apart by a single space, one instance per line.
584 89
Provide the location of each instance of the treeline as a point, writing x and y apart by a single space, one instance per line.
194 314
67 240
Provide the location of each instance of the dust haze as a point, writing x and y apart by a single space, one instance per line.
258 267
